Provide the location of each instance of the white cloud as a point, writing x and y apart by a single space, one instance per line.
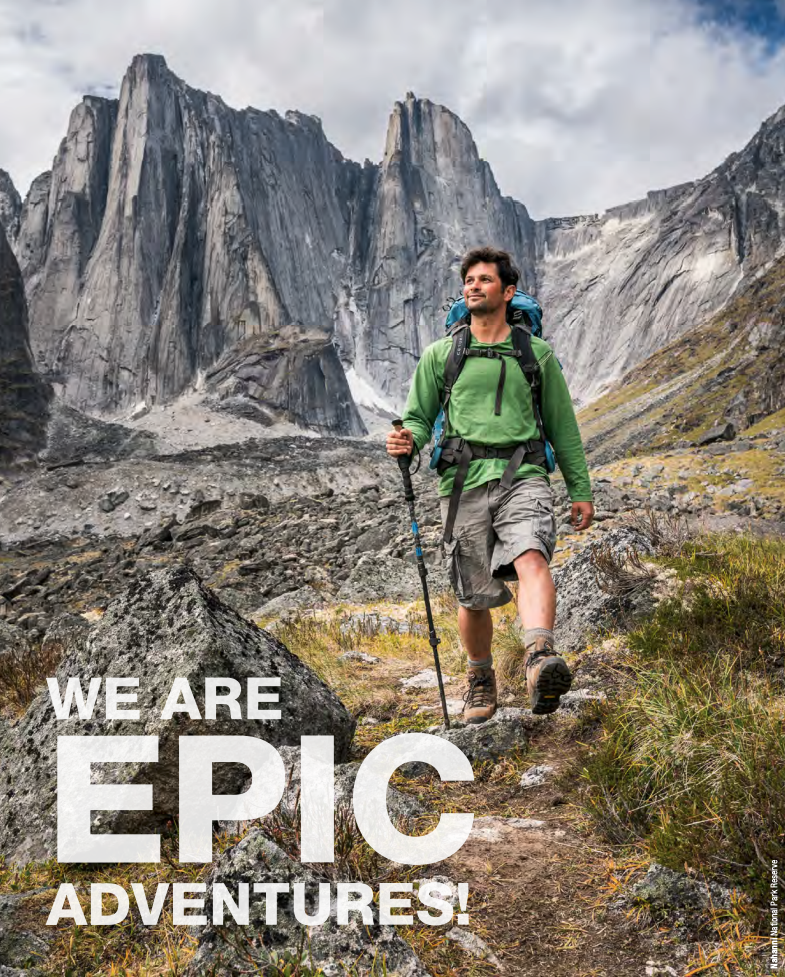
577 104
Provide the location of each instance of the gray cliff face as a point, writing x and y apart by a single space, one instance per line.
618 287
24 398
10 206
434 198
171 224
61 225
177 215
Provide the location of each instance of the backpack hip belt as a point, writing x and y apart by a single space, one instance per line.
458 451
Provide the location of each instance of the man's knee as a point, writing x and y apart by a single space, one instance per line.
530 562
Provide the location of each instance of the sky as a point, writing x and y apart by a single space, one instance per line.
578 105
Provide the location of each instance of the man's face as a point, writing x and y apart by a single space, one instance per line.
483 291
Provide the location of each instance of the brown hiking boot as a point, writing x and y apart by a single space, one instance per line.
547 677
480 697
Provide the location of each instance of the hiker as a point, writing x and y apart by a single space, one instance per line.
496 498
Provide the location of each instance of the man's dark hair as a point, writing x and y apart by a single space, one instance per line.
508 273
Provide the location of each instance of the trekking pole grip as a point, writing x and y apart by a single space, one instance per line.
403 463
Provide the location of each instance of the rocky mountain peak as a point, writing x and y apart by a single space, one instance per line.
149 68
425 131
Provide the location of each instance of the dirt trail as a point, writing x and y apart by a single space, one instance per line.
542 882
541 895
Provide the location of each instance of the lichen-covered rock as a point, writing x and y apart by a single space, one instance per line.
378 578
167 625
399 805
226 950
578 700
65 634
676 897
24 936
13 642
504 733
535 776
582 606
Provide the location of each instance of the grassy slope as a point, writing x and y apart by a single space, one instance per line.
691 758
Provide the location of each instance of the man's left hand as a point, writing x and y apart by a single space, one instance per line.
582 515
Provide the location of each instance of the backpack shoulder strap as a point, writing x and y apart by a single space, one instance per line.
522 344
461 337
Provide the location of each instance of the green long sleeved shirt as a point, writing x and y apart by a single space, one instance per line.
471 413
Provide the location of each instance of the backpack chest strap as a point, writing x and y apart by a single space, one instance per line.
497 354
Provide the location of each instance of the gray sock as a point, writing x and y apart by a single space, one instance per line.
532 634
485 663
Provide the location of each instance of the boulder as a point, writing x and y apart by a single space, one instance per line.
306 598
379 578
721 432
166 625
685 904
582 607
230 949
504 733
24 937
399 805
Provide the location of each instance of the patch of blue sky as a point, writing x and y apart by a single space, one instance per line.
765 19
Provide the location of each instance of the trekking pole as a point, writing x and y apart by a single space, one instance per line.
403 464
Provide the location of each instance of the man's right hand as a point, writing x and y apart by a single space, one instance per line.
400 443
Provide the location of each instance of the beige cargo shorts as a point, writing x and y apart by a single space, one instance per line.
493 527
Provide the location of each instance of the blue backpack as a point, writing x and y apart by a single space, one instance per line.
524 314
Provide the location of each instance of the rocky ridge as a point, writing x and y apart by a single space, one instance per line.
248 220
723 378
